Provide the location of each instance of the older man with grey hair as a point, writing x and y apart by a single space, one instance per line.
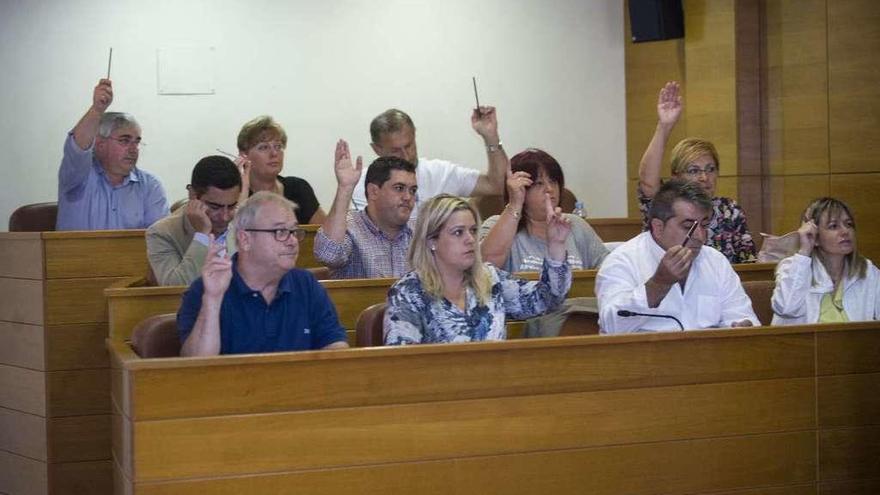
99 186
257 301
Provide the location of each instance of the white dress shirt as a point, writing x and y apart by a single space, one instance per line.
712 297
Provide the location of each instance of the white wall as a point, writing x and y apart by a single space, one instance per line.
555 70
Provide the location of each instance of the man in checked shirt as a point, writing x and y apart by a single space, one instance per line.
373 242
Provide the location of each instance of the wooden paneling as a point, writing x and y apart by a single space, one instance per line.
78 392
23 390
21 345
76 346
128 307
849 400
172 389
855 350
854 85
80 438
22 301
669 467
788 196
616 229
232 445
306 258
23 434
81 478
849 453
77 300
859 487
21 255
95 254
22 476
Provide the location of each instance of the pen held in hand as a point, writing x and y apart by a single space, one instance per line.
109 62
689 234
230 155
477 97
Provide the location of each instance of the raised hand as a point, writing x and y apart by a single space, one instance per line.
217 270
346 174
517 183
485 122
669 104
807 234
558 230
102 96
674 266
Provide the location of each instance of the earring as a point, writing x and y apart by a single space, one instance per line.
433 247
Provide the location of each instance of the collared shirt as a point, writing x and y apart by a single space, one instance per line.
728 231
87 200
416 317
366 252
433 177
301 317
712 297
802 282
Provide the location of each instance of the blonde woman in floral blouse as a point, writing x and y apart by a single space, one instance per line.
452 295
695 160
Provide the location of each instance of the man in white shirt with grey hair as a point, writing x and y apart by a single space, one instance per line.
668 272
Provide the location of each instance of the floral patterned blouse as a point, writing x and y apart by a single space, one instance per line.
416 317
728 232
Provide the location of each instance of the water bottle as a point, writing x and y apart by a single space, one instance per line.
579 209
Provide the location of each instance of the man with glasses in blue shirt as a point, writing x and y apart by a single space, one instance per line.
99 186
177 244
257 301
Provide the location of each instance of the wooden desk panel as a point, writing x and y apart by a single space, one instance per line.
730 410
130 302
616 229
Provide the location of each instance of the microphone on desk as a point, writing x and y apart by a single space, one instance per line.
626 314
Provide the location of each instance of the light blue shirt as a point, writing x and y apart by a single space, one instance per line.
87 200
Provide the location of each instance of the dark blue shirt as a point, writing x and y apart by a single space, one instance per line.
300 318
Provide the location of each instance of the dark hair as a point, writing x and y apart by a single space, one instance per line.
389 121
380 170
214 171
674 190
534 161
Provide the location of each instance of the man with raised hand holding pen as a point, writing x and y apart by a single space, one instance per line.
99 185
667 274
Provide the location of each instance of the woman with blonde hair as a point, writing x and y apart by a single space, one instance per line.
452 296
827 280
695 160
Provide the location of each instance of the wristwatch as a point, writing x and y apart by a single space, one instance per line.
492 148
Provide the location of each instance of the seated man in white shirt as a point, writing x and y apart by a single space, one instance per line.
667 273
393 134
177 244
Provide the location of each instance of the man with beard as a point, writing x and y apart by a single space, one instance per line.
373 242
99 186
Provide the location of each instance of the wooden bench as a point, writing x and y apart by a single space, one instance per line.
761 410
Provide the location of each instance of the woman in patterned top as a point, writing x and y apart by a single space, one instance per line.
452 296
696 160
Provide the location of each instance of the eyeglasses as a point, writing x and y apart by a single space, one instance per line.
129 141
281 235
214 207
696 171
267 147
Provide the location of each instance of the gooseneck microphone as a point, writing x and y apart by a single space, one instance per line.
626 314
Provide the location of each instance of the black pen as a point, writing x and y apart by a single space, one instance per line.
109 61
477 97
689 234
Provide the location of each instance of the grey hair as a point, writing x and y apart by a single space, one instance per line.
248 210
391 120
111 121
673 190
